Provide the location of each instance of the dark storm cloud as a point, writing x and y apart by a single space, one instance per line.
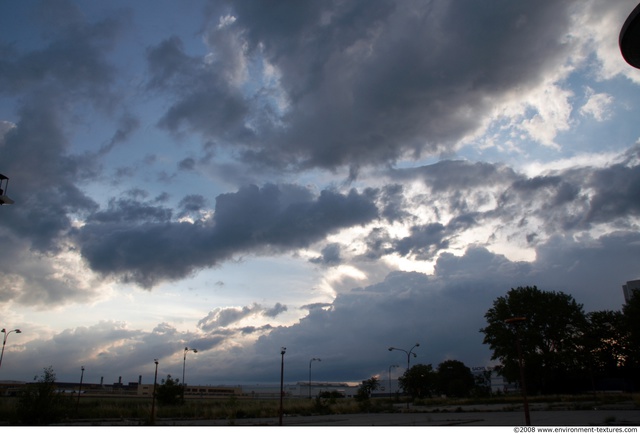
274 217
557 190
440 313
314 306
493 195
43 177
192 203
45 187
576 199
224 317
274 311
206 103
72 64
187 164
70 68
451 175
443 312
255 329
572 199
55 86
424 241
378 242
366 81
594 269
129 210
618 193
393 204
330 256
131 239
127 125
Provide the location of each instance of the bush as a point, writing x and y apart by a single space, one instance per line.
170 392
40 403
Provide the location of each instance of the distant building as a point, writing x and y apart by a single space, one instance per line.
300 389
11 388
629 289
201 391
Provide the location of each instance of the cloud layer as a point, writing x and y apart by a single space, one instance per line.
401 163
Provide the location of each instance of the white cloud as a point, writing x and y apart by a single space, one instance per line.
598 105
597 27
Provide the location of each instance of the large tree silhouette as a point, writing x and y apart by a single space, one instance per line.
550 337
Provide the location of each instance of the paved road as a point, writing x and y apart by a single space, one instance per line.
622 414
538 418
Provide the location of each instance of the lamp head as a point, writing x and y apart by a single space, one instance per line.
195 350
391 348
283 350
18 331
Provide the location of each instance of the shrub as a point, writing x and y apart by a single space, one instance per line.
40 403
170 391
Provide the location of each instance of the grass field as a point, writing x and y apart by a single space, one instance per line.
230 409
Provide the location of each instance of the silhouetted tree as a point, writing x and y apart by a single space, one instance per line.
454 379
364 393
482 384
169 392
40 404
419 381
367 387
550 338
605 342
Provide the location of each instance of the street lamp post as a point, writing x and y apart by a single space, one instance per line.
310 361
80 388
515 322
390 367
184 362
153 401
4 340
409 353
283 350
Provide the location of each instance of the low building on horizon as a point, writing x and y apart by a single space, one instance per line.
630 288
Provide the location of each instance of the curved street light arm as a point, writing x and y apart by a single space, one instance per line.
4 340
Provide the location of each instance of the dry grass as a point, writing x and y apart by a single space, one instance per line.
95 408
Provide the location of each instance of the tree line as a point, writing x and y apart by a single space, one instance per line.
562 348
451 378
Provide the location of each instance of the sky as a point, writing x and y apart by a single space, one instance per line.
333 177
